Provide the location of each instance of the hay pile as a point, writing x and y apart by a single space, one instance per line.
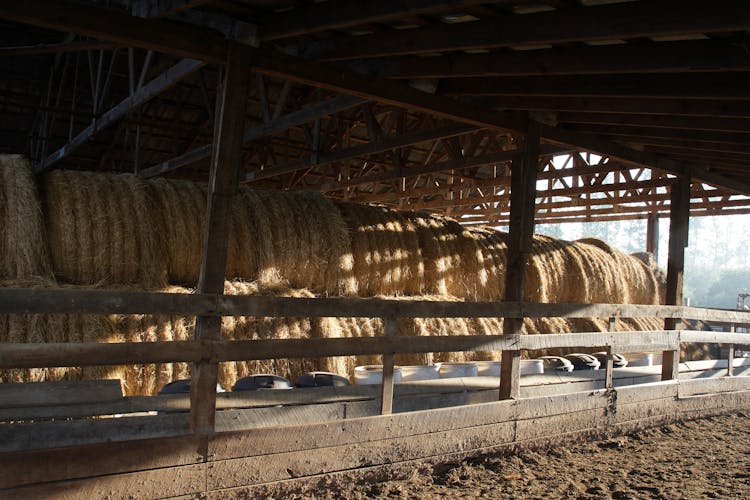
102 230
23 247
120 231
387 259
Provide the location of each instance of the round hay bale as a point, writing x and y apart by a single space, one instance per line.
23 247
104 229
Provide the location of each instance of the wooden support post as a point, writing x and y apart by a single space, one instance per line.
225 167
524 170
608 381
730 354
652 233
679 216
390 329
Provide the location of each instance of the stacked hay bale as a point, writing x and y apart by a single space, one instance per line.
387 258
102 229
121 231
23 247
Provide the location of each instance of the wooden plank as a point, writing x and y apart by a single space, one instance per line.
286 465
543 427
57 393
159 483
714 385
656 57
90 354
58 434
647 392
110 25
672 85
40 466
607 22
714 337
646 409
65 301
224 176
390 329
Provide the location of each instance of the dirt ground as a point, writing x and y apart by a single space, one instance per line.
707 458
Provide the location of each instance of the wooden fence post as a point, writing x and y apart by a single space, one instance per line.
390 329
610 364
225 166
730 353
524 169
679 217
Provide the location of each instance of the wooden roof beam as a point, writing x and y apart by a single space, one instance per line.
622 105
581 24
385 144
147 92
190 41
292 119
445 166
311 18
658 121
729 86
635 132
653 57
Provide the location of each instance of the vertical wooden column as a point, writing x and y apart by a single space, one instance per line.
730 354
610 365
679 216
390 329
652 233
524 169
225 165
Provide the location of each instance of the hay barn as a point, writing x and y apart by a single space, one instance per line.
198 197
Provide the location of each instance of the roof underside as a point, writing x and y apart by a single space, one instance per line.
418 105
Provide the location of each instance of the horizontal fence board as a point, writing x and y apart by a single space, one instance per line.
30 300
157 483
713 385
37 466
715 337
58 434
646 392
282 466
55 393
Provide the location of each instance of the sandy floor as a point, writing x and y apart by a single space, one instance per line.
707 458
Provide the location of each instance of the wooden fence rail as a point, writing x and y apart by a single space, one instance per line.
211 351
30 301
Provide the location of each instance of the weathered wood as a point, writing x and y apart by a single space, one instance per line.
679 217
64 301
92 354
224 177
607 22
715 337
390 329
658 57
510 373
110 25
40 466
19 437
56 393
713 385
158 483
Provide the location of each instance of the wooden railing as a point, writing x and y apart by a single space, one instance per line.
216 351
